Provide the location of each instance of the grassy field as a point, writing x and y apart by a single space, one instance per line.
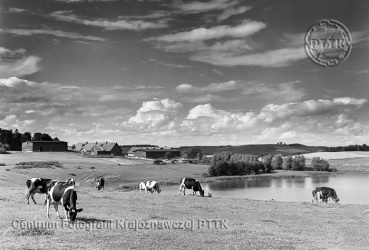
241 224
259 149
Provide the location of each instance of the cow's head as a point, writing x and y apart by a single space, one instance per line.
72 212
202 193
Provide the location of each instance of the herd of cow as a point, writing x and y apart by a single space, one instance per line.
64 192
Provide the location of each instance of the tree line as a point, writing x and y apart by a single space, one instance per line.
226 163
10 140
356 147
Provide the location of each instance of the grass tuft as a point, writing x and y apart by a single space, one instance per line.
34 232
38 164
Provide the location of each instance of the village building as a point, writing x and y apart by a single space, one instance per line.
155 153
131 152
99 148
45 146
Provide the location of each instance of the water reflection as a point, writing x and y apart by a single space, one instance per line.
319 179
289 189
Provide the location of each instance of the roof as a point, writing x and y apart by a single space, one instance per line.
100 146
45 142
158 150
133 149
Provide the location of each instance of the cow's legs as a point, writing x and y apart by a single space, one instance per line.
66 215
56 210
45 199
33 198
180 190
47 208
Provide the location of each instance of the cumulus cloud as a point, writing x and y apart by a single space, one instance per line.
155 115
57 33
208 120
134 25
17 63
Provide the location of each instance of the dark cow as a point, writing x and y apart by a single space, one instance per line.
99 183
191 184
37 185
152 186
322 194
64 194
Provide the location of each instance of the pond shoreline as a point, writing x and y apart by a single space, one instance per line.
278 174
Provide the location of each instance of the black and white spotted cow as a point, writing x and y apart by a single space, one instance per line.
323 194
37 185
70 181
63 193
142 186
99 183
152 186
191 184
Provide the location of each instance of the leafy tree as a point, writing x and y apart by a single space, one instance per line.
193 152
26 137
268 163
277 162
298 163
36 137
168 155
319 164
287 163
45 137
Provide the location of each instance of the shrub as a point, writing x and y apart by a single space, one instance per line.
277 162
319 164
287 163
268 163
298 163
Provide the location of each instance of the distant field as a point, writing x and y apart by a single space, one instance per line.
338 155
259 149
117 171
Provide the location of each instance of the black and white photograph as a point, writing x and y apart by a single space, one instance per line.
184 124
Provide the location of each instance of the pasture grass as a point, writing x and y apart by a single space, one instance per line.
248 224
38 164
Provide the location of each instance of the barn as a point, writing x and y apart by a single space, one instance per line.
45 146
106 148
156 153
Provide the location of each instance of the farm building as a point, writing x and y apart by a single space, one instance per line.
45 146
99 148
156 153
131 152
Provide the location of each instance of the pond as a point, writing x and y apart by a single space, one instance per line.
350 188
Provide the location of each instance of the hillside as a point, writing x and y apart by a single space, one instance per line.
259 149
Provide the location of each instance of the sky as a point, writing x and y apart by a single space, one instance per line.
181 73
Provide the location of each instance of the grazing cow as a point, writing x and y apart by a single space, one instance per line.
326 193
191 184
317 196
152 186
37 185
142 186
64 194
99 183
70 181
